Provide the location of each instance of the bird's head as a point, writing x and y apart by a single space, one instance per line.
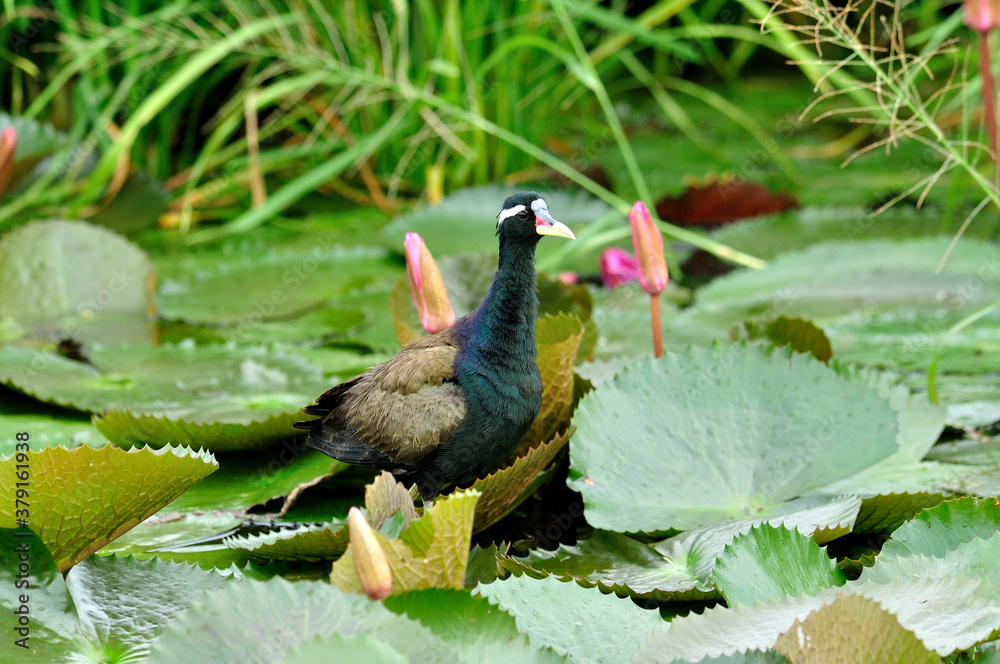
525 216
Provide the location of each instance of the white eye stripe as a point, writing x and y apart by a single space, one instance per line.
507 214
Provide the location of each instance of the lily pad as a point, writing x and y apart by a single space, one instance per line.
720 434
720 632
938 530
248 289
834 279
679 568
770 562
160 535
59 275
772 236
972 606
246 480
107 609
900 485
355 648
909 340
584 624
800 335
220 397
476 629
675 570
247 621
318 542
853 629
46 426
79 500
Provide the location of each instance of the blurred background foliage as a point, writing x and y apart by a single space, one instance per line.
239 110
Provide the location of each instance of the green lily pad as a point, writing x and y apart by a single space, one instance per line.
432 553
675 570
899 486
53 631
720 434
45 425
800 335
160 533
938 530
977 559
126 429
909 340
918 605
322 542
770 562
678 568
853 629
465 222
271 619
244 480
355 648
834 279
325 323
584 624
884 512
79 500
220 397
721 632
58 276
248 289
771 236
476 629
972 606
107 609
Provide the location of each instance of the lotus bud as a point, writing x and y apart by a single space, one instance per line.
982 15
8 141
618 267
648 244
369 559
427 287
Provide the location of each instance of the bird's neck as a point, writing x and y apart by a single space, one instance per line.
507 315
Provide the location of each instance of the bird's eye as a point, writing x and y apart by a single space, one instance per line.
522 215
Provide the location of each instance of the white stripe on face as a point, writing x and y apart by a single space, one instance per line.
507 214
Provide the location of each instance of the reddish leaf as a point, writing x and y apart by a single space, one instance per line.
718 203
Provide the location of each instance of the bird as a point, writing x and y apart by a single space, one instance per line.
450 408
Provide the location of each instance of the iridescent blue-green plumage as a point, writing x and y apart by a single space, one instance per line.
451 407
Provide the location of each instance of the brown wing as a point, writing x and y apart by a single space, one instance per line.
397 412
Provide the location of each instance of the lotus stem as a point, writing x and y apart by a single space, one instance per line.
654 307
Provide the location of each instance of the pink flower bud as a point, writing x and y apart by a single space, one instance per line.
618 267
982 15
8 142
648 244
427 287
370 562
